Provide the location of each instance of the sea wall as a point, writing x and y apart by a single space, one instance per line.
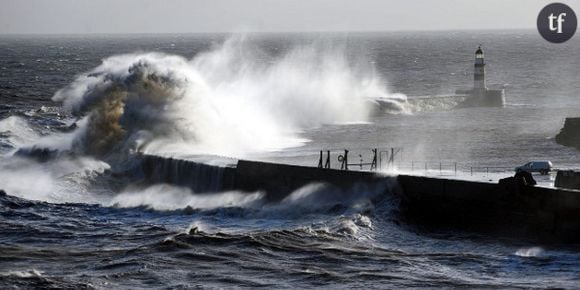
552 213
277 180
570 134
507 207
197 176
440 201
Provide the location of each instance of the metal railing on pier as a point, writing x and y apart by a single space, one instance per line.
389 159
451 168
380 159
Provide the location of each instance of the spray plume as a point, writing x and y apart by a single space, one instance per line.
227 101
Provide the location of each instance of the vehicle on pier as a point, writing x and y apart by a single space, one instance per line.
544 167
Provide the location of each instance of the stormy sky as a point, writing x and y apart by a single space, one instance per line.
208 16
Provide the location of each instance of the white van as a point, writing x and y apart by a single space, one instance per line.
542 167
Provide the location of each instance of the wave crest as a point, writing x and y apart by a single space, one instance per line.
228 101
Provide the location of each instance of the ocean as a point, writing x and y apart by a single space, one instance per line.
75 110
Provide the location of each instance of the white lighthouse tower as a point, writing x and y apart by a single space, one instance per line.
480 95
479 85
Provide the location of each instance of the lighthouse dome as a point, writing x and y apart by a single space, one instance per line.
479 50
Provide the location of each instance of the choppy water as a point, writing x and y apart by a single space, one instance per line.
76 221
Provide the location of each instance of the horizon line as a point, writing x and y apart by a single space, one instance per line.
259 32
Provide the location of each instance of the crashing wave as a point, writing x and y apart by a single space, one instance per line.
228 101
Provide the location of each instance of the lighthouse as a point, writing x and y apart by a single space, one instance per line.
480 95
479 71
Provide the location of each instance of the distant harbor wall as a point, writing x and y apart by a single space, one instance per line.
482 98
570 134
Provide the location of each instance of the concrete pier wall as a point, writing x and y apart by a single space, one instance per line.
198 177
278 180
482 98
507 207
548 212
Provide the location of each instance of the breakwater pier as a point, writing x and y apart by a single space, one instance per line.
548 213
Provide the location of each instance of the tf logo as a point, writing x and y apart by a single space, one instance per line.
557 22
